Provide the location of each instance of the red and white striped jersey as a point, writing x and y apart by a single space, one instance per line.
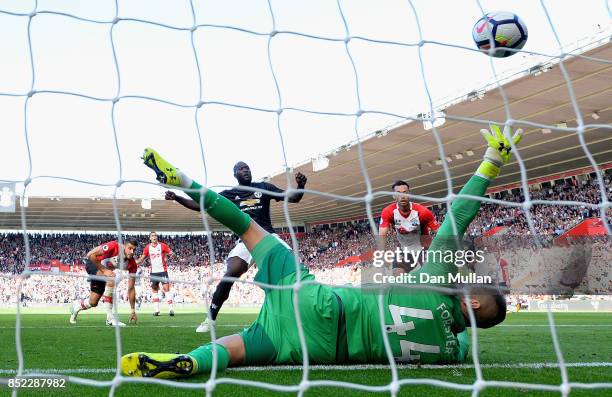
157 255
409 226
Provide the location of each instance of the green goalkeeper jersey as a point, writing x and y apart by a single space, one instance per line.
422 326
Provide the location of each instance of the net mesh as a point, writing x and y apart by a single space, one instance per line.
306 383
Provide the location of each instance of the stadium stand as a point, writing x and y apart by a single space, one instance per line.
321 249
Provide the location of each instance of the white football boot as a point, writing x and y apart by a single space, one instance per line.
205 326
74 312
113 322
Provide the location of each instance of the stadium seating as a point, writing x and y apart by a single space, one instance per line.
320 249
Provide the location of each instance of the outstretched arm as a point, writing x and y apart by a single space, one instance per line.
464 210
215 205
185 202
300 179
132 298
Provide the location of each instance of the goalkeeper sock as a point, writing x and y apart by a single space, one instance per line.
203 357
221 209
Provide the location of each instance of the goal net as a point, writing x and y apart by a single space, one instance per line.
121 74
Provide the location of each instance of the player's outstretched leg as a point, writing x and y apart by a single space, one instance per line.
158 365
96 288
217 206
83 304
168 366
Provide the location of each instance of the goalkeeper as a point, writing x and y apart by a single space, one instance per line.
340 325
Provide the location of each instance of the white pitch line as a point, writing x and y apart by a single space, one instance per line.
246 325
556 325
361 367
135 326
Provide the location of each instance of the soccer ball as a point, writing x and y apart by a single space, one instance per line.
507 29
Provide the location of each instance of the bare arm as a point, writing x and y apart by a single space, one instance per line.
382 237
300 179
131 293
386 221
185 202
141 259
102 270
93 257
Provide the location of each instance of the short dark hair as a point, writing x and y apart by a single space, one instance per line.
400 183
500 306
131 241
152 233
500 313
238 165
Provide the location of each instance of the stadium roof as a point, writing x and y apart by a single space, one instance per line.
405 152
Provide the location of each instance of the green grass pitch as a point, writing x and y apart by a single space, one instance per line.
512 352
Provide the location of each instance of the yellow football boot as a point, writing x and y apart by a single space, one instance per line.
165 172
158 365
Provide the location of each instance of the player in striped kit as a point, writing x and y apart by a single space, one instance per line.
157 252
411 222
343 325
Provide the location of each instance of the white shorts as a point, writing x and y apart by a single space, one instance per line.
240 250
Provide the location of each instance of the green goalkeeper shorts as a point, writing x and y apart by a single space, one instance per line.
274 337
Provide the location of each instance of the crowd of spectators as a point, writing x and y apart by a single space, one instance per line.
324 247
548 220
190 285
71 249
320 249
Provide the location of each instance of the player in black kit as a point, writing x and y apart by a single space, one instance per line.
257 205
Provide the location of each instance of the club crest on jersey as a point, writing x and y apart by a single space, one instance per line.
105 247
257 194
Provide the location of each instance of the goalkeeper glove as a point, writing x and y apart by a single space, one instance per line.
498 151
